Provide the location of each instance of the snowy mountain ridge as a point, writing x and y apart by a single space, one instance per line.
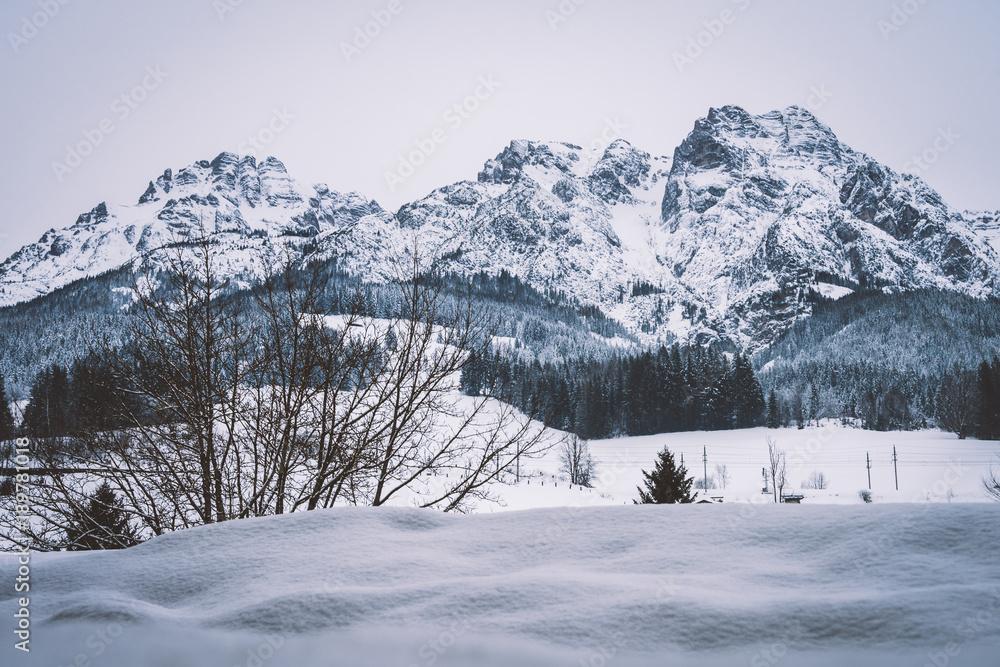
723 241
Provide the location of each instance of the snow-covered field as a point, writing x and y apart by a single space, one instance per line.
880 584
932 466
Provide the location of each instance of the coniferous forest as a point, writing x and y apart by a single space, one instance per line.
652 392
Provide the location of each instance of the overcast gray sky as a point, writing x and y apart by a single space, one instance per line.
891 77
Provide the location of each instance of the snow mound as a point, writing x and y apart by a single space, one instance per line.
708 584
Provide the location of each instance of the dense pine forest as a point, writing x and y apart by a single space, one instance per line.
884 361
658 391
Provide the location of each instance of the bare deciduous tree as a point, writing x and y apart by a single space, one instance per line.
252 403
816 480
776 464
576 460
722 475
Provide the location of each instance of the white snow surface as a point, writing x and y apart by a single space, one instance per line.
642 585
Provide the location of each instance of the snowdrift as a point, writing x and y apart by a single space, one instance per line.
734 584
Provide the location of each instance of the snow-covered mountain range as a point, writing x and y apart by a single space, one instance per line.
723 240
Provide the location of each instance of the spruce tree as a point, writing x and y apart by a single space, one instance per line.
103 526
814 404
668 483
749 395
773 417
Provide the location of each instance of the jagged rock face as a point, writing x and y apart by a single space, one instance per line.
721 243
757 206
242 204
555 214
986 224
510 164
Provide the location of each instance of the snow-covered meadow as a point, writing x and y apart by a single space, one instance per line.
932 466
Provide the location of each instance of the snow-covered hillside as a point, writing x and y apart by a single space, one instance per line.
723 240
652 585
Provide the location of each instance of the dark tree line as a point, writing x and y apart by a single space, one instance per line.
884 361
652 392
988 383
86 398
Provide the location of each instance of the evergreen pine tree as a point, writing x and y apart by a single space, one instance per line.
749 395
473 376
814 404
668 483
773 417
103 526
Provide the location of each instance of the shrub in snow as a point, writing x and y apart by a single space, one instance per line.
991 483
865 495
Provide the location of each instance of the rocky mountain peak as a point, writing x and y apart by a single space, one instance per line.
724 242
510 164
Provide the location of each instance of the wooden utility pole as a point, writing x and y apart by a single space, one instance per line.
704 459
895 469
868 464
